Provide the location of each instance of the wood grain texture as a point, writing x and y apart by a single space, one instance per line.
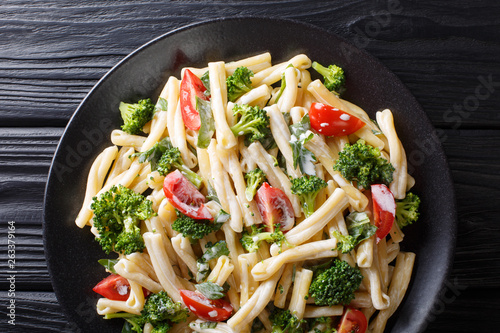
66 47
53 52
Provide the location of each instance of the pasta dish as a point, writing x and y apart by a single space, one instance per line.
250 197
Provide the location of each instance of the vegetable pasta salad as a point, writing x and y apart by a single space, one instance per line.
251 198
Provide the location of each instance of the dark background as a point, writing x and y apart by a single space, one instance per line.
446 52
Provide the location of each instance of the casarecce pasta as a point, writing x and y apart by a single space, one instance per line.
255 277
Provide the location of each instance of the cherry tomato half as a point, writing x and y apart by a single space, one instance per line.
331 121
384 209
184 196
113 287
191 87
274 207
204 308
353 321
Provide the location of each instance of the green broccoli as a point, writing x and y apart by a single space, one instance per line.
172 159
194 229
254 179
407 210
345 244
136 115
336 284
364 164
284 321
239 83
253 122
159 310
160 307
162 327
321 325
333 75
251 240
307 188
117 214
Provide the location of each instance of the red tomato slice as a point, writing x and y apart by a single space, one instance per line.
384 209
191 87
274 207
353 321
184 196
331 121
204 308
113 287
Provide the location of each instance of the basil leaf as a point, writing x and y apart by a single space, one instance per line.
205 79
109 264
210 290
301 127
153 154
359 226
302 157
222 217
207 128
213 252
161 105
212 195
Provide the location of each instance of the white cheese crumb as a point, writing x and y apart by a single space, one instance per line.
213 313
122 290
323 124
345 116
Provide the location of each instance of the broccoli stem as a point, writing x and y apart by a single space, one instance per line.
192 176
324 71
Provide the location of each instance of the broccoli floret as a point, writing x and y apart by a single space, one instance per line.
333 76
136 115
117 213
284 321
407 210
321 325
239 83
194 229
253 122
163 327
254 179
345 244
307 188
251 240
172 159
364 164
160 308
336 284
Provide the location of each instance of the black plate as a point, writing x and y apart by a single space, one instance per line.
72 253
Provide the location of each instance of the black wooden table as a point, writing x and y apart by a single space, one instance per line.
447 53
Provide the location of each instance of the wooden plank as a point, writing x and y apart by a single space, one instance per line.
34 312
25 157
44 87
